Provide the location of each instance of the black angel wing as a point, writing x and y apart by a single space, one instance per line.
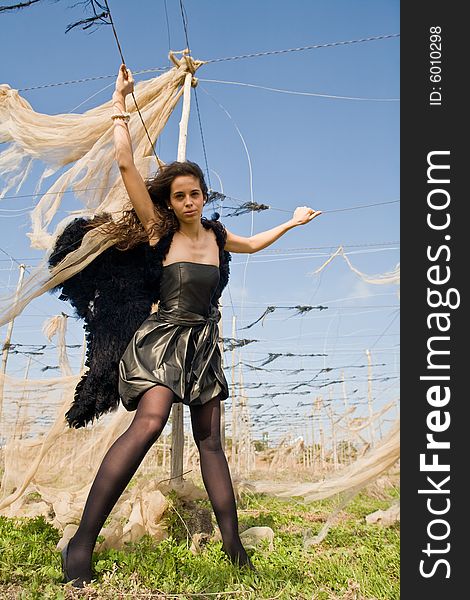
79 290
113 295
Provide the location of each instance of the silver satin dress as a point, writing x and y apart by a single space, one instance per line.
177 346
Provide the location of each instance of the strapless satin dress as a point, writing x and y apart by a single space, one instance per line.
177 346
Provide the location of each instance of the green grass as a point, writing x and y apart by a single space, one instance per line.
355 561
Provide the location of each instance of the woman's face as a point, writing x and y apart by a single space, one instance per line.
186 198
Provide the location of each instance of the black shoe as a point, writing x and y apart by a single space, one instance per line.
248 565
77 582
242 562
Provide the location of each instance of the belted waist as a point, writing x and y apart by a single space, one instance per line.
187 318
205 340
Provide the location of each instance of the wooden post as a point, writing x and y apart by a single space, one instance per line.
333 437
369 399
177 442
245 428
333 431
306 447
348 420
314 453
319 406
305 450
6 345
234 403
240 424
184 118
322 449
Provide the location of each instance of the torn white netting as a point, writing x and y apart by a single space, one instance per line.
80 145
58 326
84 144
48 468
391 277
360 473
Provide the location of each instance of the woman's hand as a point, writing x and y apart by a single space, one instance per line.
124 81
304 214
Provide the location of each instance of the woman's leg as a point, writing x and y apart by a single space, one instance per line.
118 466
205 422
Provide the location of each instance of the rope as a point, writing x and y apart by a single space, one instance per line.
185 26
72 110
323 211
214 60
183 17
132 93
361 206
167 25
228 197
114 30
259 261
270 89
302 48
278 250
202 139
26 208
11 257
86 79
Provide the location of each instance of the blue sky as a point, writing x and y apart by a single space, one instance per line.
304 150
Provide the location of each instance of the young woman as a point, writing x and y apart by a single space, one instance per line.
174 355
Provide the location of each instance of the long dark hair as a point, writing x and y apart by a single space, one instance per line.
128 230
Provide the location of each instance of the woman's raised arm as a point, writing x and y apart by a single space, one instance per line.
248 245
131 177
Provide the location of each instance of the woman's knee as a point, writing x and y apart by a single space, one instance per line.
205 421
149 427
210 443
152 412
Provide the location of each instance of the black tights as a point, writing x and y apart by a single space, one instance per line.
205 422
123 459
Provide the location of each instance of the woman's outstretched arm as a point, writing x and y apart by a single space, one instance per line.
131 177
248 245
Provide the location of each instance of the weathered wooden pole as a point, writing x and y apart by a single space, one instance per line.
369 399
314 453
245 428
333 432
234 403
333 437
241 425
184 118
177 442
348 420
